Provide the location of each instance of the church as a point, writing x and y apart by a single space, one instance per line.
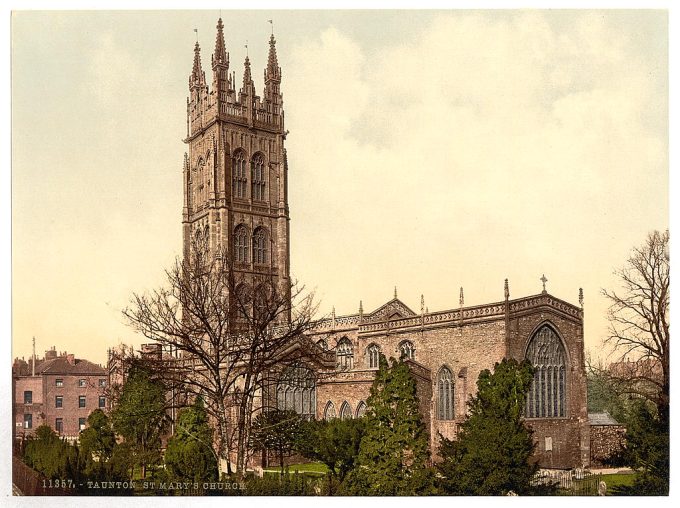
235 180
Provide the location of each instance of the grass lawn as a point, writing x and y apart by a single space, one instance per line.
311 469
614 480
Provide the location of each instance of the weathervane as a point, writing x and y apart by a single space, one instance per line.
543 280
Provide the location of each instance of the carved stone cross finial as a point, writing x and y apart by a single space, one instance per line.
543 280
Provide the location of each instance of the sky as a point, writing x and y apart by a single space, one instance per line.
428 150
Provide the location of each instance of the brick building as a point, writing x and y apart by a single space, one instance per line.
58 390
235 181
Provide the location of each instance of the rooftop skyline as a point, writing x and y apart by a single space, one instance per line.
444 149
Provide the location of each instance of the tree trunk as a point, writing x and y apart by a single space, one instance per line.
223 434
245 407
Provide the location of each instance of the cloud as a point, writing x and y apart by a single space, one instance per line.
486 144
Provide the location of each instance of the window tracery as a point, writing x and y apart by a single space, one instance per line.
239 177
258 177
241 244
407 350
445 393
345 411
344 354
373 353
260 246
329 411
296 391
547 395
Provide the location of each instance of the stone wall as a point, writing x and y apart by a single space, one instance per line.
605 441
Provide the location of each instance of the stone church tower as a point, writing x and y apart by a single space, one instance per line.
235 171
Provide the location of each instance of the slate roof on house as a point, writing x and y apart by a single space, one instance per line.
61 366
603 418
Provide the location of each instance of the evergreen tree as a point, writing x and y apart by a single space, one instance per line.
140 416
50 455
277 431
492 453
96 443
334 442
189 455
647 451
394 454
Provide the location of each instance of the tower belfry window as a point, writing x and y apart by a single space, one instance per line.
241 244
260 246
239 176
257 176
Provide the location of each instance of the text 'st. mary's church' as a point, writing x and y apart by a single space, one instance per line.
235 197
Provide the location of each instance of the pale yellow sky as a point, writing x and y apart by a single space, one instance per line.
427 149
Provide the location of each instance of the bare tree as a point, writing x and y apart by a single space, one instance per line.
227 339
640 323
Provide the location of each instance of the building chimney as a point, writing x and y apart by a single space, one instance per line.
33 362
71 359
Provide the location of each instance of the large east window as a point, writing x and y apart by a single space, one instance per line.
547 395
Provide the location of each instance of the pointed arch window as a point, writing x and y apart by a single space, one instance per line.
361 409
257 176
329 412
445 394
241 244
296 390
239 176
407 350
242 304
547 395
260 246
345 411
345 354
322 344
373 353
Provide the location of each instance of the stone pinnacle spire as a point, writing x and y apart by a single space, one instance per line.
247 76
197 77
220 56
273 71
